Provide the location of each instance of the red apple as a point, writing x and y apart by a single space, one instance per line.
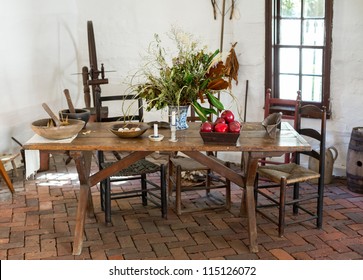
234 127
206 127
220 120
228 116
221 127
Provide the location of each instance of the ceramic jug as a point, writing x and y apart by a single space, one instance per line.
331 155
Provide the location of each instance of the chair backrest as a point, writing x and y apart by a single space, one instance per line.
126 105
289 108
313 111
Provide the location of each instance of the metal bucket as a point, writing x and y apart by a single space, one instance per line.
331 155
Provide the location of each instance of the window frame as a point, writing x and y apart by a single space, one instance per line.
272 55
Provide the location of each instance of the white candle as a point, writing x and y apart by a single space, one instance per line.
156 133
173 118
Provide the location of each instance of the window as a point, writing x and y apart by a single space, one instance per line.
298 49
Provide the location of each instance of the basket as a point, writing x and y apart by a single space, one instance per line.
219 138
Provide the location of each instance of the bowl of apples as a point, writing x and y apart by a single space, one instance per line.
224 131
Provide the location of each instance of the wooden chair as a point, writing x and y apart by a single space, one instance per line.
179 165
150 190
10 158
288 174
288 108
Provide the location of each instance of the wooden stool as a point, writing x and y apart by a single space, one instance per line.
4 174
6 158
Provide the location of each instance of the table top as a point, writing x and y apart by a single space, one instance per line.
253 137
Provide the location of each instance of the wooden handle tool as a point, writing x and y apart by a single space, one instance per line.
69 101
52 115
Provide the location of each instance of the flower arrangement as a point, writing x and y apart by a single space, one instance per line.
190 77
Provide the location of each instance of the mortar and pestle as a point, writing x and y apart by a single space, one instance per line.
72 113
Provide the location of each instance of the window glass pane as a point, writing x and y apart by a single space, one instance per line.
289 60
289 85
313 32
291 8
290 30
314 8
312 61
311 88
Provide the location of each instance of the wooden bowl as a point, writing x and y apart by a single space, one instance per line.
129 129
41 128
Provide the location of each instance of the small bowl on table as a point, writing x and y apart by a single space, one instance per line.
80 114
129 130
47 129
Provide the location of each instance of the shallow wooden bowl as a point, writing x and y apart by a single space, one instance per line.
41 128
131 132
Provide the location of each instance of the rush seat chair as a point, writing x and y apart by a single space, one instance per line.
179 165
288 176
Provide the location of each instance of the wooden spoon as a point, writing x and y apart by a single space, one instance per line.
69 101
52 115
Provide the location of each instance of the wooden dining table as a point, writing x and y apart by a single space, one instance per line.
254 143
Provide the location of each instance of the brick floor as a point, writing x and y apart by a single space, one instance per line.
37 222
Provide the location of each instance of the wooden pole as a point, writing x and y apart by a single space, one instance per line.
222 26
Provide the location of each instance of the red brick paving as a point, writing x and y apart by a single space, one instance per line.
38 223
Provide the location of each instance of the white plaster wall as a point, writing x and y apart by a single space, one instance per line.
44 41
347 76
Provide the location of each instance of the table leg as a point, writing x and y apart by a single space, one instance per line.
248 183
249 200
85 205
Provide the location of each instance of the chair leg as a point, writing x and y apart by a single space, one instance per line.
14 168
178 190
164 200
296 195
287 157
319 221
143 190
228 190
282 207
107 194
170 181
208 181
102 195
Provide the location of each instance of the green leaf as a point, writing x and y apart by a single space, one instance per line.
214 101
199 111
213 56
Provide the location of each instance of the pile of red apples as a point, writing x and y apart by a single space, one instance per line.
223 124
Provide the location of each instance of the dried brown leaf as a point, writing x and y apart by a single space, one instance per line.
232 66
